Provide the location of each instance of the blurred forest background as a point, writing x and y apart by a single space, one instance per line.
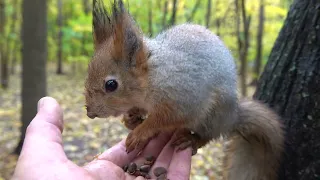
248 27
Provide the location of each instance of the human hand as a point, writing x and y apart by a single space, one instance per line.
43 157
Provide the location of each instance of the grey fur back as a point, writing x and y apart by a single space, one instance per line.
188 65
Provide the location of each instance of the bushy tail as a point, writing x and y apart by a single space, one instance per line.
256 144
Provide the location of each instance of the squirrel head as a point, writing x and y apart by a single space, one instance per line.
117 76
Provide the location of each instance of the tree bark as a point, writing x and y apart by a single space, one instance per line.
208 14
258 60
34 55
290 84
60 34
174 12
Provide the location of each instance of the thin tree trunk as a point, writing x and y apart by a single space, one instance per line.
10 50
193 11
86 6
60 34
86 9
34 56
239 40
14 58
2 23
4 71
159 5
218 19
223 19
12 27
13 49
164 17
258 60
174 12
208 15
150 18
238 27
244 49
3 50
290 84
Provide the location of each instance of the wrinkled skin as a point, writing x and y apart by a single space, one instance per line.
42 155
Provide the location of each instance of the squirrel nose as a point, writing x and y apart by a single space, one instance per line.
91 115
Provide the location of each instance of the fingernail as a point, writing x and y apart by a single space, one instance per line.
40 103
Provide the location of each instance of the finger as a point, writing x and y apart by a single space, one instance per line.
43 135
164 158
128 176
180 164
154 147
43 140
118 155
112 160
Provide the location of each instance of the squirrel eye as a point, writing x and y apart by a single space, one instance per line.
111 85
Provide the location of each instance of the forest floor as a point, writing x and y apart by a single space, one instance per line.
83 137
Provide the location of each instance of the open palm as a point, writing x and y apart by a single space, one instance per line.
42 155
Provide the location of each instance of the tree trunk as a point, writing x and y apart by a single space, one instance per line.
2 21
174 12
86 6
12 50
59 52
239 40
34 55
290 84
3 50
164 17
4 70
193 11
86 9
218 20
243 44
14 58
258 60
222 20
150 18
208 15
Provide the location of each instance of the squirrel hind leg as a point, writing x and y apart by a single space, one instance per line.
184 138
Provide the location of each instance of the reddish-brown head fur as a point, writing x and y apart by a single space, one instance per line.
119 55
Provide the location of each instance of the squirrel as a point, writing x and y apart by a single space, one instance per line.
184 79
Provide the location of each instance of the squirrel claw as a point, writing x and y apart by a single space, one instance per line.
184 139
135 141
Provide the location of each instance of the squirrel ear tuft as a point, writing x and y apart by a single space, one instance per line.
101 22
127 39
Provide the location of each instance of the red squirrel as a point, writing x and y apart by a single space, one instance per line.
183 79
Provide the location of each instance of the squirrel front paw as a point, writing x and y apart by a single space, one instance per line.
138 139
184 138
134 117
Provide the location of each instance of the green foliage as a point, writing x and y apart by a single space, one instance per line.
77 25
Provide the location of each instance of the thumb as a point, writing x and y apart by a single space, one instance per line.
43 140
